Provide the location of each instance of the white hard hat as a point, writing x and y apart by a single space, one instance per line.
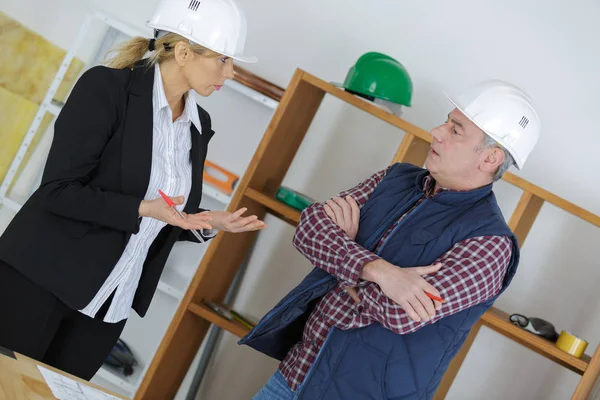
219 25
505 113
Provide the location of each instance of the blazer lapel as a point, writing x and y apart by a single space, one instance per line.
136 157
196 158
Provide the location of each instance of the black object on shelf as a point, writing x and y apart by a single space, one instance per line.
121 358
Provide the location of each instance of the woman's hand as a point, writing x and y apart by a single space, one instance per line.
234 222
160 210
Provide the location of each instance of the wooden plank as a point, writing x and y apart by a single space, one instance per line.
498 321
279 209
524 215
552 198
233 327
257 83
456 363
368 107
412 150
174 356
590 376
284 135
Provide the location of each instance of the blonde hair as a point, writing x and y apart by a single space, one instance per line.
132 51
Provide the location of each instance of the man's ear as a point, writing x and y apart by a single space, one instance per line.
494 159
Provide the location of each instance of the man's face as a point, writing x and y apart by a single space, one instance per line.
455 157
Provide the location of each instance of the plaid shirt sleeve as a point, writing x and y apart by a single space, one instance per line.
472 272
326 245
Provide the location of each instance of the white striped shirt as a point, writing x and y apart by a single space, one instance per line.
171 172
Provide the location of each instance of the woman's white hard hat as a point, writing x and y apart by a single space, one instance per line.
219 25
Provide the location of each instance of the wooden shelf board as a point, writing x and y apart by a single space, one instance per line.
281 210
233 327
498 321
368 107
552 198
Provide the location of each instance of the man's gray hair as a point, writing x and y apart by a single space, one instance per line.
488 142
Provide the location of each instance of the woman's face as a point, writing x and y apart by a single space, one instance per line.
205 74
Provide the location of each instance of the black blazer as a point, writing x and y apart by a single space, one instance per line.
72 231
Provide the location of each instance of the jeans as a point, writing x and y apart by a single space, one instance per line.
276 388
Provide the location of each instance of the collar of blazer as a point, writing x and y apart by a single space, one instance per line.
136 157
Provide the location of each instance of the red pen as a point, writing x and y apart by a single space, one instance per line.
172 205
434 297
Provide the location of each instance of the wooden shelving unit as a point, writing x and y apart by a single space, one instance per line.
256 191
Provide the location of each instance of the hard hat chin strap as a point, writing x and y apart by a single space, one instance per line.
160 33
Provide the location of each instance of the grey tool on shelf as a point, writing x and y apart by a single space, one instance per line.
535 325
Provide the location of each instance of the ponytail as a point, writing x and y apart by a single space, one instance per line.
132 51
128 53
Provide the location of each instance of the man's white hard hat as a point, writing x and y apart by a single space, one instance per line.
505 113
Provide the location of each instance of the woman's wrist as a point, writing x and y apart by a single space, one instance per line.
143 208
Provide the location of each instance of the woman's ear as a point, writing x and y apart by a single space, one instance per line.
182 53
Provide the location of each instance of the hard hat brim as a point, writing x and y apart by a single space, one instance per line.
238 57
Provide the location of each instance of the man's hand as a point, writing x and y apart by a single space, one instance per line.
345 213
406 287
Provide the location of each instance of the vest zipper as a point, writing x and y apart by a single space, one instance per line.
400 224
382 228
314 364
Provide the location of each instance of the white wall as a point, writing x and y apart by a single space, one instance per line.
549 48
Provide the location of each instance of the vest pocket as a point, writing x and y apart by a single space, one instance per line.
361 370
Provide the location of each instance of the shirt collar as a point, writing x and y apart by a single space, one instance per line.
429 187
190 110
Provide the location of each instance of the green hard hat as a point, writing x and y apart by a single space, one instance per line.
376 75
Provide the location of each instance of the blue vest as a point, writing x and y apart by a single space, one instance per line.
373 362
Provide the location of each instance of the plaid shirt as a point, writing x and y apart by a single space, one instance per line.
472 272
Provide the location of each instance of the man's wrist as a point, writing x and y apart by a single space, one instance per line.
372 271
